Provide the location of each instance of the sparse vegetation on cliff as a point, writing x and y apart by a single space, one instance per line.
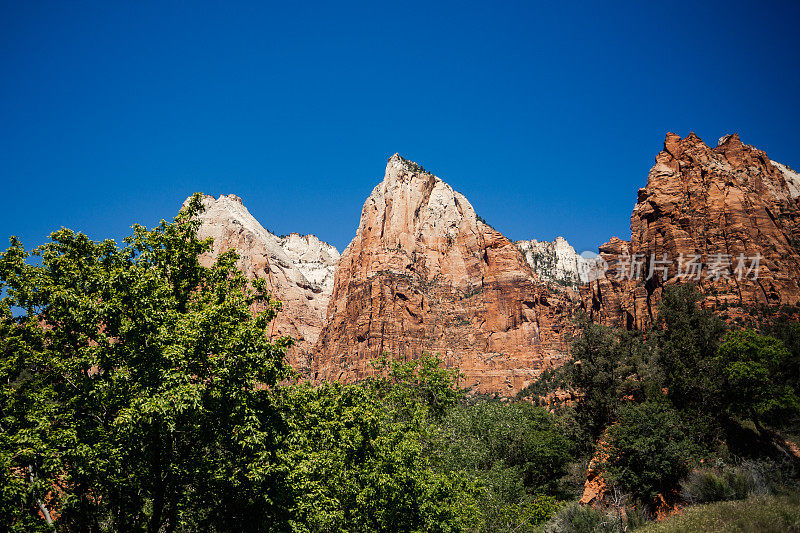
663 404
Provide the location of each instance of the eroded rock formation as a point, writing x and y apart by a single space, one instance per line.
715 207
558 262
298 269
425 274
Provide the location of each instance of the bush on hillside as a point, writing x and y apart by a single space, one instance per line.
649 450
724 482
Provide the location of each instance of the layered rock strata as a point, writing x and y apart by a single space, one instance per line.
425 274
726 218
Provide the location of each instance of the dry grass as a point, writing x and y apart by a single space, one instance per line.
767 514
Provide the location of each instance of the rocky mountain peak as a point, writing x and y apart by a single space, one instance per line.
299 270
557 262
731 138
720 206
398 162
413 212
424 274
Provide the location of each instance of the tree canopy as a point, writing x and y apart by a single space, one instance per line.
140 392
137 384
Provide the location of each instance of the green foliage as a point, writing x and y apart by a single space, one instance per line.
515 451
139 392
136 384
527 516
754 378
353 466
686 343
788 332
576 518
417 388
606 365
515 448
732 482
649 450
414 167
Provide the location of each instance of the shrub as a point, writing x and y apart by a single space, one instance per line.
576 518
649 450
707 485
515 448
526 516
777 513
734 482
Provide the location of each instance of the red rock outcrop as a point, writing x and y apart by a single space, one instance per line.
714 207
425 274
298 269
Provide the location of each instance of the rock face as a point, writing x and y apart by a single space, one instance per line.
718 208
424 274
557 262
299 269
315 259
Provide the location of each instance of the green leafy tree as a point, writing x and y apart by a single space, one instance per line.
516 452
788 332
417 388
757 377
353 465
687 338
136 387
649 450
606 366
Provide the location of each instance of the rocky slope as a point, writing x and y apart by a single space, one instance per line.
718 208
425 274
557 262
299 269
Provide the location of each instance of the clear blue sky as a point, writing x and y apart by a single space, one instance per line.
546 115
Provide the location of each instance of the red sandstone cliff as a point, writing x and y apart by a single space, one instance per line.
713 205
425 274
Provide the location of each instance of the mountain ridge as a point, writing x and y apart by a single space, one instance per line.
425 273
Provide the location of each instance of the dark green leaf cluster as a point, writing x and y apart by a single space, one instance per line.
139 391
650 449
649 403
357 463
136 384
757 377
516 451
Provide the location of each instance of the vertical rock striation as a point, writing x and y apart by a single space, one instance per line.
716 204
425 274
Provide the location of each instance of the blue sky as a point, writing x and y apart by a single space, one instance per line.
546 115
